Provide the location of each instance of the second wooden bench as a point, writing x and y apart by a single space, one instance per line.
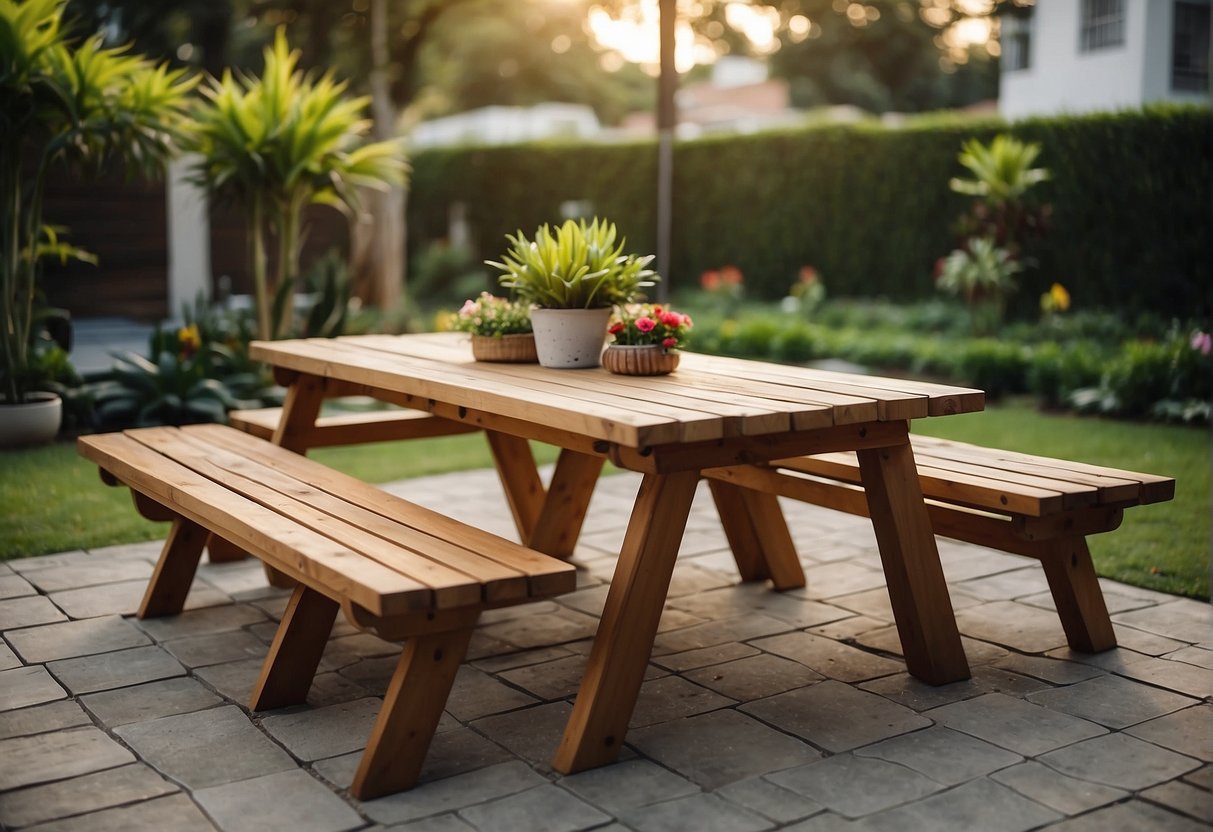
1027 505
397 569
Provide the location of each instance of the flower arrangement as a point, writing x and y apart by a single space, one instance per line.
647 324
492 316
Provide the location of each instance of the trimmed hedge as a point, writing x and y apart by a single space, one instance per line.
868 206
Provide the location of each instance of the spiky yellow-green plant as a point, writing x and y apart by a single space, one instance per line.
277 143
63 102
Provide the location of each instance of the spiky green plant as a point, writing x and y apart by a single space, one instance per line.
578 267
1002 171
78 104
278 143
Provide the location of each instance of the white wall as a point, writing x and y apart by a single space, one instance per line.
1061 79
189 238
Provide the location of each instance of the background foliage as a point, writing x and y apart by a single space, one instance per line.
868 206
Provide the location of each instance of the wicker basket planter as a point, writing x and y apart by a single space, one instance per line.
649 360
507 349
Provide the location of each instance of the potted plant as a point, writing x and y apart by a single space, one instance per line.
63 103
646 337
572 278
500 329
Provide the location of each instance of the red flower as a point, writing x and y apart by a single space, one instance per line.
645 324
669 343
731 275
670 318
710 280
616 328
808 274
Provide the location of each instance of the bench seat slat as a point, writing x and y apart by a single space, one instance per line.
353 428
545 576
300 552
450 587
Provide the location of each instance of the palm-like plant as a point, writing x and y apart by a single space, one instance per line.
1003 176
275 145
63 103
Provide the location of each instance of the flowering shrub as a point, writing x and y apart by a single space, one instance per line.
725 285
494 316
650 325
806 294
1055 301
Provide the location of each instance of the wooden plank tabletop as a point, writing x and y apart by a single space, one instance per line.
708 397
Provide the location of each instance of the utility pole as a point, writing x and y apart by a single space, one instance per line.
667 119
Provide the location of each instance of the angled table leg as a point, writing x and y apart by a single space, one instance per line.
917 589
617 661
564 508
519 478
757 533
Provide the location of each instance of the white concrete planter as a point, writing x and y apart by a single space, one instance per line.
32 423
570 338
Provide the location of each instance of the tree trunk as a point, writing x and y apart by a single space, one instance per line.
377 238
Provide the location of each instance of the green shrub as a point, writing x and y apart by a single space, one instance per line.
1058 370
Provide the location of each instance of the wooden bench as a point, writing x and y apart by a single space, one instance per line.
1021 504
395 568
353 428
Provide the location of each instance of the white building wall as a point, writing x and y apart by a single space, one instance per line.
1062 79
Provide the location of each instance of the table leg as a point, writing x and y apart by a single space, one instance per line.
617 661
520 478
917 589
758 535
567 501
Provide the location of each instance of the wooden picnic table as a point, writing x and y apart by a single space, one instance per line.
712 412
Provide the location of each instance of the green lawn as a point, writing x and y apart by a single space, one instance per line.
53 500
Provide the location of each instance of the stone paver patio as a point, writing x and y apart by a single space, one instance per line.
760 710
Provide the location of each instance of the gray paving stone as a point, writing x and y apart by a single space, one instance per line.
835 716
825 822
701 812
286 800
1013 583
543 629
1119 760
451 753
8 659
476 694
216 648
176 812
944 755
89 572
887 640
74 638
1018 626
29 611
1057 671
1201 777
26 761
705 656
558 679
904 689
696 748
541 809
14 586
520 658
316 733
1198 656
754 677
848 629
1133 816
1189 732
148 550
333 689
1183 797
122 668
756 598
88 793
871 603
688 580
201 622
1151 644
1116 602
441 823
532 733
1112 701
1014 724
235 680
453 793
1067 795
23 566
372 674
24 686
206 748
364 645
672 697
830 658
1183 618
769 800
626 785
719 632
855 786
39 720
149 701
978 804
1177 676
124 598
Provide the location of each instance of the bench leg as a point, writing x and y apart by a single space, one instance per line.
1077 595
411 710
219 550
170 583
758 535
286 675
918 592
568 499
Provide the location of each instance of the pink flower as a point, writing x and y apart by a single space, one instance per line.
468 309
669 343
645 324
1202 342
686 321
670 318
